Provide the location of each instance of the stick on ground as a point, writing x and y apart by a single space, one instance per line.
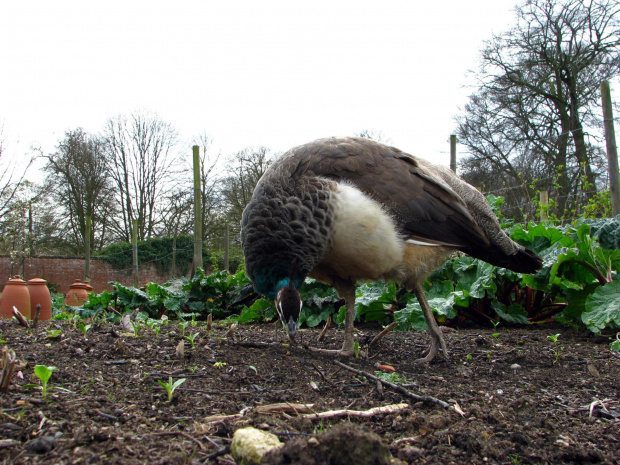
396 387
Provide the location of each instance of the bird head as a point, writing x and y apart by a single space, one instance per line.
288 303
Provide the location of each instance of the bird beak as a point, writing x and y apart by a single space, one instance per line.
292 329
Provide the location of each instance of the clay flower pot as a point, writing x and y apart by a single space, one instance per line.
16 294
77 294
40 294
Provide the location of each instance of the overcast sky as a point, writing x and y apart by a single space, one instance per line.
248 72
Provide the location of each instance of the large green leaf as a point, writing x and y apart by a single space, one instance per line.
603 307
514 313
411 317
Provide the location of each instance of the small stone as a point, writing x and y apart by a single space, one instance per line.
313 442
250 444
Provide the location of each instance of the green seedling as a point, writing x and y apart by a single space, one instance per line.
252 367
136 325
557 349
615 345
192 338
44 374
495 335
157 330
219 364
53 333
469 357
356 349
193 369
391 377
171 386
183 325
84 328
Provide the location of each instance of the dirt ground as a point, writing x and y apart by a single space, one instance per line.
508 400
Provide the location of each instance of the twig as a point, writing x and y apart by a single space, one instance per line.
22 321
327 325
178 433
319 372
383 333
218 453
397 388
9 363
358 413
284 407
37 311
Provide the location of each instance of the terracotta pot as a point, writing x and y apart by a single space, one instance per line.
89 288
16 294
40 294
77 294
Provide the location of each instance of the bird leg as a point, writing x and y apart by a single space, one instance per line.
346 291
433 328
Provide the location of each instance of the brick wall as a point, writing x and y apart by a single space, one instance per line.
63 271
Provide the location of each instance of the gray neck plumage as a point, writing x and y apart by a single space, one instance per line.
285 231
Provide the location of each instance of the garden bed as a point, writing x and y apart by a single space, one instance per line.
513 395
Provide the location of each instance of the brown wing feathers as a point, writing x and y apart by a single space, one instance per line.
422 207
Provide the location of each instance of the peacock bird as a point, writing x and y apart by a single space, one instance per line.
343 210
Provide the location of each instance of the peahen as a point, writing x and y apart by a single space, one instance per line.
343 210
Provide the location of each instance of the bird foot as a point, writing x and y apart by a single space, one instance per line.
431 352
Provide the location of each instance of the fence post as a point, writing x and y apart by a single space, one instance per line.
87 248
453 152
134 246
612 149
226 247
544 205
197 262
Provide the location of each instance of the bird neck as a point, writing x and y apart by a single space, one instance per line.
268 281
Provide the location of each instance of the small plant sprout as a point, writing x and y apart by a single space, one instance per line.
183 325
252 367
171 386
44 374
192 338
356 349
219 364
157 330
557 349
53 333
615 345
469 357
84 328
193 369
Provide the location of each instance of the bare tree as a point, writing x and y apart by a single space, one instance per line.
246 168
78 179
538 95
139 158
210 177
374 135
11 176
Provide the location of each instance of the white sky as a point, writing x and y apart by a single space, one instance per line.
247 72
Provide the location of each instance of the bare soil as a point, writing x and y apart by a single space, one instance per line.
509 400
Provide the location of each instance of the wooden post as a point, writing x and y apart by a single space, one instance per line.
544 205
226 246
453 152
134 243
87 248
612 148
197 262
173 267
